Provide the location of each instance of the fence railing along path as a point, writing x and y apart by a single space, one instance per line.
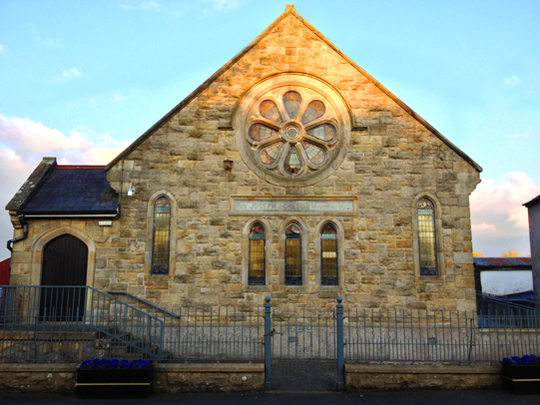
70 324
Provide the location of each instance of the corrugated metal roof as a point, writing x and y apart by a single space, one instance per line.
73 190
502 262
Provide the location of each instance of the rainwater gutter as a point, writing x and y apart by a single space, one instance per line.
23 222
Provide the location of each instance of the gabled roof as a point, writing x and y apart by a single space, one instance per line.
534 201
290 10
72 190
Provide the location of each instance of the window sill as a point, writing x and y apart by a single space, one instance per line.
256 288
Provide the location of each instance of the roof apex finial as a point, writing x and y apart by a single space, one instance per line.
289 8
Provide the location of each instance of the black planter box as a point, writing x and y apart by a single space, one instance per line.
521 379
115 383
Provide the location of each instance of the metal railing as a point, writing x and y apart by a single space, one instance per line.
456 337
67 323
73 323
213 334
488 304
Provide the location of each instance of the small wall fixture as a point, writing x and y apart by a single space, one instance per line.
228 165
131 190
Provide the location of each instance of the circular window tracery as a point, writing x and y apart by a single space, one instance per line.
293 132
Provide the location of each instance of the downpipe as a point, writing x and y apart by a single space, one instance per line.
23 222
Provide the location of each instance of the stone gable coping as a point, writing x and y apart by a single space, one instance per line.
31 184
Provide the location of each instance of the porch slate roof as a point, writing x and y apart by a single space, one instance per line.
73 190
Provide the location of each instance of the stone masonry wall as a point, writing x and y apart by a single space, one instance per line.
390 162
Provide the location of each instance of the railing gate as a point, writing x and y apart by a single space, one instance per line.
304 352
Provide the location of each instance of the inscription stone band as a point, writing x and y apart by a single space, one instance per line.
293 206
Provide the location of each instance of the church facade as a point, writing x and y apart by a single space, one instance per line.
291 172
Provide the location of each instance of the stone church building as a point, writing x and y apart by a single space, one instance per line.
291 172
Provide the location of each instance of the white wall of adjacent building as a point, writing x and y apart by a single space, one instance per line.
506 282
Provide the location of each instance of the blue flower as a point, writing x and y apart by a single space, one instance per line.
115 363
524 360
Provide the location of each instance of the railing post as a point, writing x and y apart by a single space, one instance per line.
267 344
340 346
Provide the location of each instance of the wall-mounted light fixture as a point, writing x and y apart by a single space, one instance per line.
131 190
228 165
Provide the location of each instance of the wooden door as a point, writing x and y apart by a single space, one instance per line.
65 261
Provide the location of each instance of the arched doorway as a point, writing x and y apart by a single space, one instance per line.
64 267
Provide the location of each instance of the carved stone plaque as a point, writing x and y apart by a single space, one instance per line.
284 206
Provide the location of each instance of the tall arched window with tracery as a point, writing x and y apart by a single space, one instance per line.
161 236
426 237
293 255
329 255
257 255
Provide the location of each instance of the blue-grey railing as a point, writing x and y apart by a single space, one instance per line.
487 305
212 334
73 323
149 307
420 336
304 348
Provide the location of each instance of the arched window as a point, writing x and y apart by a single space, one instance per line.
293 255
161 236
426 237
257 255
329 255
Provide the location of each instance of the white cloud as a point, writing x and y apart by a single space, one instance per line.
512 80
1 49
483 227
513 136
174 9
71 73
220 5
117 97
499 220
49 42
23 143
143 5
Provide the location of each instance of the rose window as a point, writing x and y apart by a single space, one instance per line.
291 130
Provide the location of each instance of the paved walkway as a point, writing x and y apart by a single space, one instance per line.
474 397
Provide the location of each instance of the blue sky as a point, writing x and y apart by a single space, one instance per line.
80 80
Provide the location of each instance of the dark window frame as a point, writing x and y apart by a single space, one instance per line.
160 265
293 263
427 237
328 279
257 233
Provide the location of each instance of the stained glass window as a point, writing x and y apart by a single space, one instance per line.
161 236
315 155
329 256
292 132
426 238
314 110
293 164
270 154
259 132
293 255
257 256
292 101
269 110
325 132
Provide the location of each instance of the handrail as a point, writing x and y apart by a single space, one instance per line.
30 308
145 302
504 301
